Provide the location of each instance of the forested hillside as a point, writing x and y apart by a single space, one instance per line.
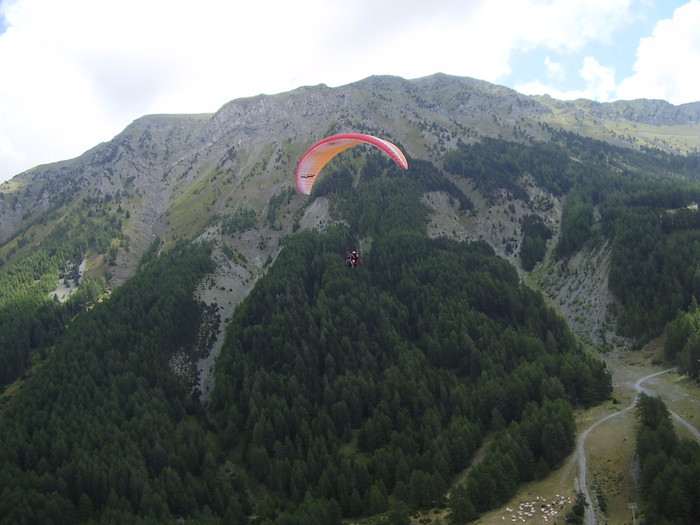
31 318
340 394
103 431
337 392
608 194
356 387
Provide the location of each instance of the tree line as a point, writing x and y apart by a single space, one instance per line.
669 466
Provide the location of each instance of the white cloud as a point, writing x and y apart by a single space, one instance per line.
537 87
598 83
668 62
568 25
666 66
554 70
599 79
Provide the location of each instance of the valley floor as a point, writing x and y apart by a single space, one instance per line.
608 432
605 449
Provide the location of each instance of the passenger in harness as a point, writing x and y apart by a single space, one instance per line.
353 259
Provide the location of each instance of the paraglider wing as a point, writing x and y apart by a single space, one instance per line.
319 154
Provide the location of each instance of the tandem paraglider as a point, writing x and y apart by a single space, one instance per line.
352 259
318 155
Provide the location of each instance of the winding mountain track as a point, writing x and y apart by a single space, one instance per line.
581 482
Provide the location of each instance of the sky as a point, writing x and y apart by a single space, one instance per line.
75 73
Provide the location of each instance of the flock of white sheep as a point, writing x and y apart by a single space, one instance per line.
539 509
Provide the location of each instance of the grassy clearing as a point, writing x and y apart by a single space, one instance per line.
610 449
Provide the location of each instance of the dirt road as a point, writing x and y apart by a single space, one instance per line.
668 392
580 482
602 466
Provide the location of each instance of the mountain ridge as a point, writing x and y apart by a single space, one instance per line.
159 157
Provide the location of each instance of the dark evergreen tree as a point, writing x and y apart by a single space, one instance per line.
669 466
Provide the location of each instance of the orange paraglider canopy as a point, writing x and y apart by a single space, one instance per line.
316 157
